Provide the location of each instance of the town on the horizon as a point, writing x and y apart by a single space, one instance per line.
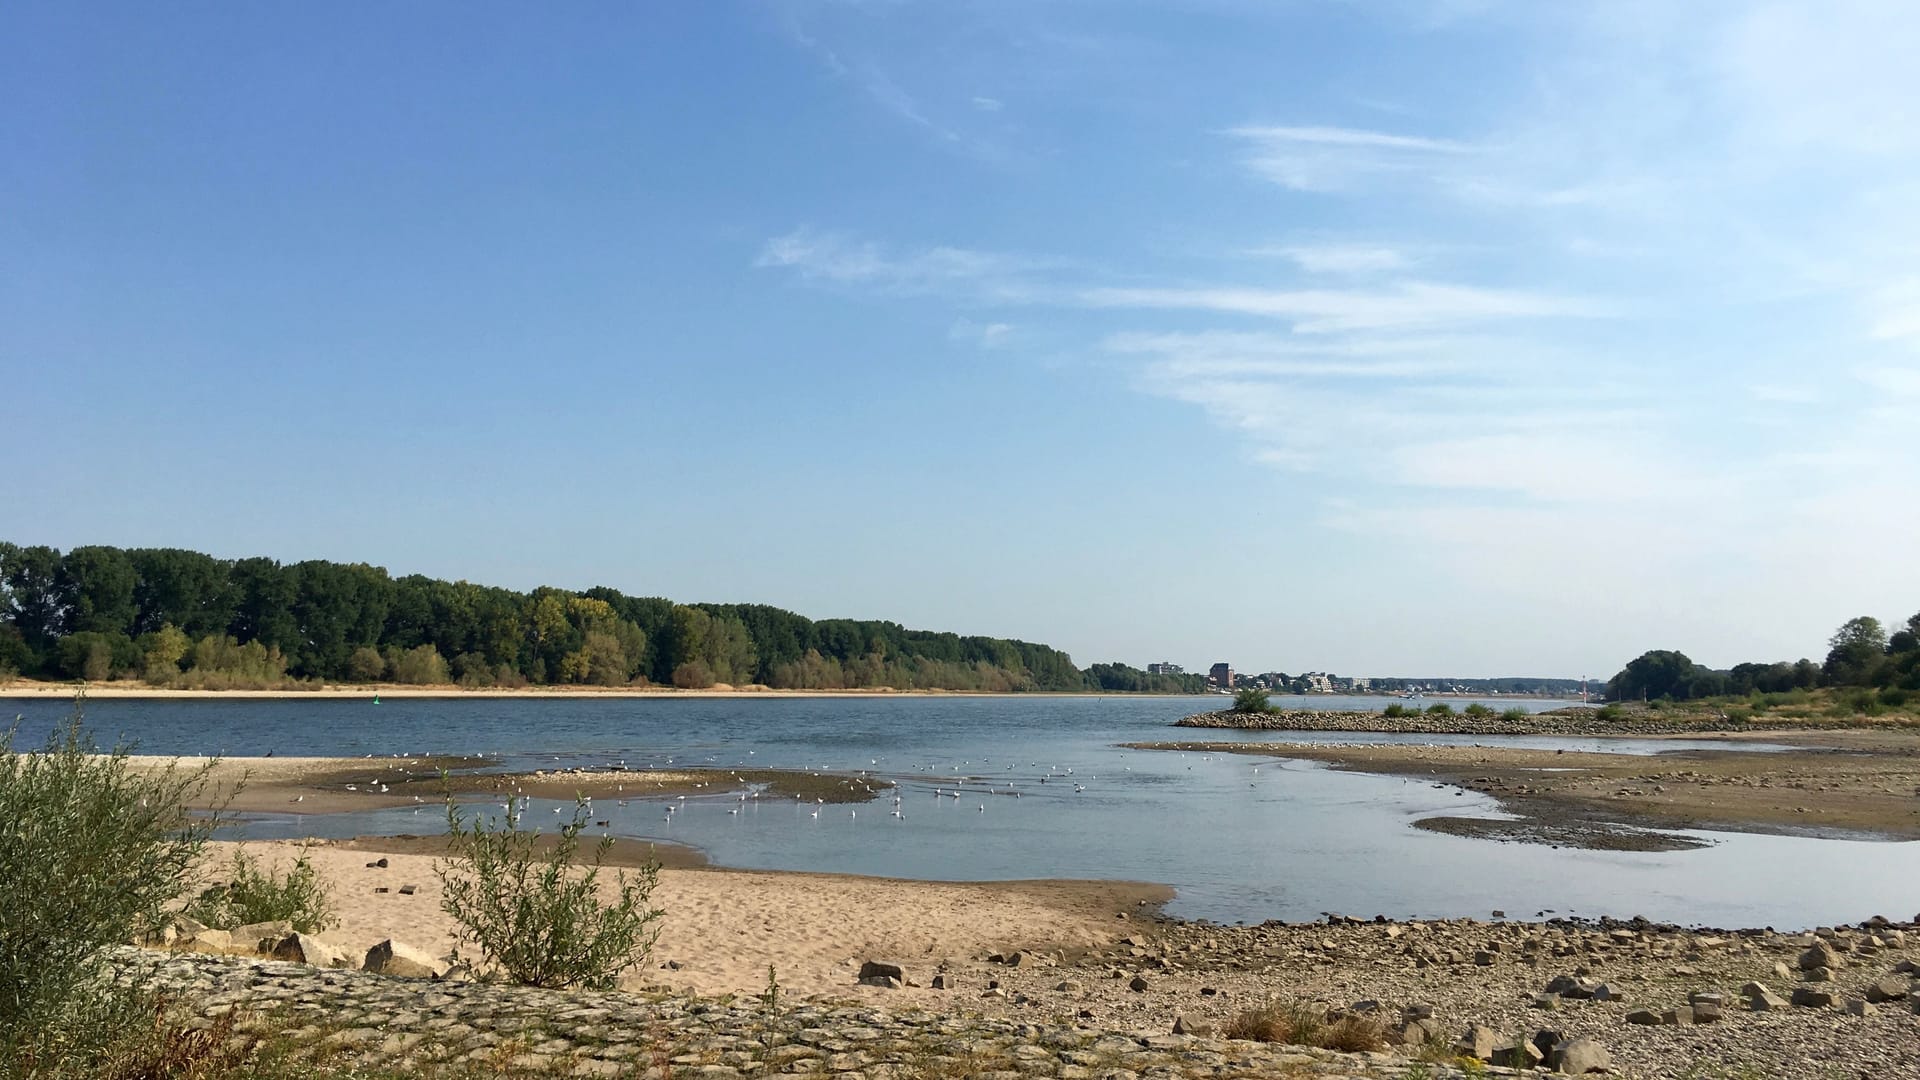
1221 678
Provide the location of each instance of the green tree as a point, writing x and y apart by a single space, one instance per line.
184 588
30 595
95 584
161 652
366 664
1654 674
1854 651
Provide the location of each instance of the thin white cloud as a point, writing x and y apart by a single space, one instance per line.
834 257
992 335
1333 158
1333 258
1409 305
987 104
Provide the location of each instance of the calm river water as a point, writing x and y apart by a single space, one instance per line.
1291 840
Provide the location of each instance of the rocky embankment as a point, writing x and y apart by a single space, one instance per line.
1446 998
354 1019
1575 720
1658 1001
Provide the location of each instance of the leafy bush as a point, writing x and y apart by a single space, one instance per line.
1610 711
1895 697
1439 708
90 853
1514 715
536 916
1477 710
1395 710
253 894
1251 700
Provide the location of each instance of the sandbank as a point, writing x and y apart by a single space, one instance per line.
1864 785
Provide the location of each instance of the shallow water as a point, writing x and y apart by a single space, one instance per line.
1240 837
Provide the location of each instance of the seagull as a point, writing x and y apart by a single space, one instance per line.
983 808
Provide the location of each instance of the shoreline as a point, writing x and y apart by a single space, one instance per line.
1843 784
28 690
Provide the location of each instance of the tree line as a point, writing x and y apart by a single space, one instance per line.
1861 655
185 619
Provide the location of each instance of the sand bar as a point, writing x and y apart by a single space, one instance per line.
1854 783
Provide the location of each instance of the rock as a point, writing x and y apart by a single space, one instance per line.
880 969
1521 1055
1414 1033
188 926
1605 992
1419 1010
1184 1026
1544 1040
1644 1017
942 981
1887 989
1478 1042
1579 1056
885 982
307 949
1767 1001
261 936
409 890
1014 959
1483 958
1679 1017
1820 955
1858 1007
1069 986
1706 997
1138 984
392 957
208 940
1547 1002
1782 971
1808 998
1706 1013
1819 974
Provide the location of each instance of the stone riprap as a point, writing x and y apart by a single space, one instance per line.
358 1018
1568 721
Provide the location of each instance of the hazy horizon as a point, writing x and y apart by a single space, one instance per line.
1464 338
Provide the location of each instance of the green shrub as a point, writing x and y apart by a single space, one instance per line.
1439 708
1395 710
534 914
1895 697
253 894
1250 700
91 852
1610 711
1477 710
1514 715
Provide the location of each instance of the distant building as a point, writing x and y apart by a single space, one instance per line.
1318 682
1221 675
1164 668
1362 684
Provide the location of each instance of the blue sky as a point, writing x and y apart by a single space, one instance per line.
1418 336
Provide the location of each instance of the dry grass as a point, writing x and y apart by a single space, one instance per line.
1303 1025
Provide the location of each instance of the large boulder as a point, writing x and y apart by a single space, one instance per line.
392 957
1808 998
877 972
307 949
207 940
1477 1042
1579 1056
1890 988
1819 955
261 937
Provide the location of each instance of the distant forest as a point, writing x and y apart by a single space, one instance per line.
1877 668
183 619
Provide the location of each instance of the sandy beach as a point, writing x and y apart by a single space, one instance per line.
723 928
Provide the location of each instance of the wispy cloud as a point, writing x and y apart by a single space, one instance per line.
1336 258
1316 158
987 104
1409 305
834 257
991 335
